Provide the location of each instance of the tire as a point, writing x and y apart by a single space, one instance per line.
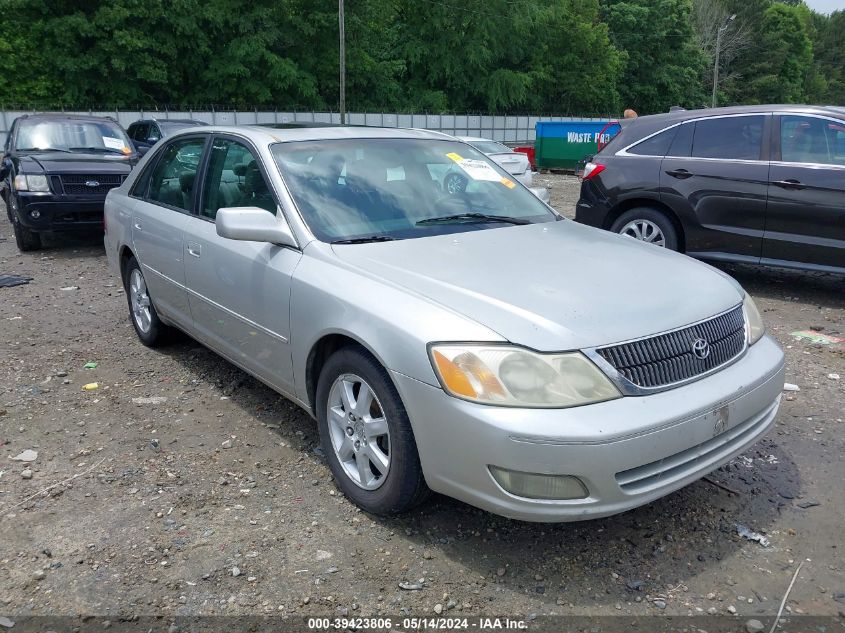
383 429
142 313
25 239
648 225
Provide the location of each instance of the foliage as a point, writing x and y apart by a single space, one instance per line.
587 57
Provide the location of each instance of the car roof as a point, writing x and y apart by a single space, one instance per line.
259 134
647 124
181 121
62 116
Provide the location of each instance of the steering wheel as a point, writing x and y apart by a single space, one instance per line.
455 183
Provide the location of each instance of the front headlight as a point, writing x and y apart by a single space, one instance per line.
754 327
32 182
515 377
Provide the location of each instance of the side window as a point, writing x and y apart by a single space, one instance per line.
153 135
739 137
139 189
138 131
682 143
657 145
234 180
172 179
811 140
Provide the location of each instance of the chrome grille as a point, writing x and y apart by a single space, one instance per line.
81 184
668 358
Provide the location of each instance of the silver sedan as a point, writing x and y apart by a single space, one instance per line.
469 342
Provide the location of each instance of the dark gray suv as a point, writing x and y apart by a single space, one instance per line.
755 184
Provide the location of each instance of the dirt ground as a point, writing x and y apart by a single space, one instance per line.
211 498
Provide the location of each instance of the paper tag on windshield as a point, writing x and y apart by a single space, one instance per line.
113 143
507 182
475 169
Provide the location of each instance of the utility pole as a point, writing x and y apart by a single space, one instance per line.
721 30
342 31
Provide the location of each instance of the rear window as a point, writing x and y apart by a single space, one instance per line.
617 142
738 137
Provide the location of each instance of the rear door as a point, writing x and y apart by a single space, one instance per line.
715 177
239 291
805 219
161 211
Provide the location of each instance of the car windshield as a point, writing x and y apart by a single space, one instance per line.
380 189
490 147
72 135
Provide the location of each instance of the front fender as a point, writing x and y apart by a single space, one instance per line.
394 323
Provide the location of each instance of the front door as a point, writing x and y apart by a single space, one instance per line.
715 177
805 219
239 291
160 216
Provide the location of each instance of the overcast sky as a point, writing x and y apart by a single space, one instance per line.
826 6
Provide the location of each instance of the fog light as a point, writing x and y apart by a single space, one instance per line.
537 486
35 214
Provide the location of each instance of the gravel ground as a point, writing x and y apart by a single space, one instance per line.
207 496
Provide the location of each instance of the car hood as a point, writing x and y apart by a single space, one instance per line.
61 163
554 286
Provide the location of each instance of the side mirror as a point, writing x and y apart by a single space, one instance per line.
541 192
5 167
253 224
142 149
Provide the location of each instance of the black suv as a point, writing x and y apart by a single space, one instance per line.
147 132
56 171
755 184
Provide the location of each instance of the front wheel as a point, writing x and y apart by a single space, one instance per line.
647 225
366 434
25 239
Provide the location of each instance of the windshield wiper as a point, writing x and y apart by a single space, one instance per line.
473 217
96 149
43 149
365 240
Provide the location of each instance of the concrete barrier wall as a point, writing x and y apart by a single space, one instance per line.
508 129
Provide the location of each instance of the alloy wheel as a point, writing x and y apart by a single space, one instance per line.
645 231
359 432
140 299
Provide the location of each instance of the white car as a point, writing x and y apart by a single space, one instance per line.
515 163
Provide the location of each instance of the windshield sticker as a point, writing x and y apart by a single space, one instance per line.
475 169
113 143
508 183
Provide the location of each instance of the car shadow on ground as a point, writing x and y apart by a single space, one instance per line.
825 289
647 550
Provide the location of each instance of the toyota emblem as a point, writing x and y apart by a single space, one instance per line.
700 348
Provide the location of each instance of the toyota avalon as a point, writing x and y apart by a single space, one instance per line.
470 342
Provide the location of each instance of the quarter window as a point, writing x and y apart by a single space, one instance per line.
729 137
657 145
172 180
812 140
234 180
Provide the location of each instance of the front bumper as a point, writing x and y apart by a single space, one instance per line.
627 452
60 213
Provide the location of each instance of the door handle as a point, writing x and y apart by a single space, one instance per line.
789 183
137 226
194 250
681 174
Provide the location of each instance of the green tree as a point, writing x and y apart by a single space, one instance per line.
780 75
663 64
